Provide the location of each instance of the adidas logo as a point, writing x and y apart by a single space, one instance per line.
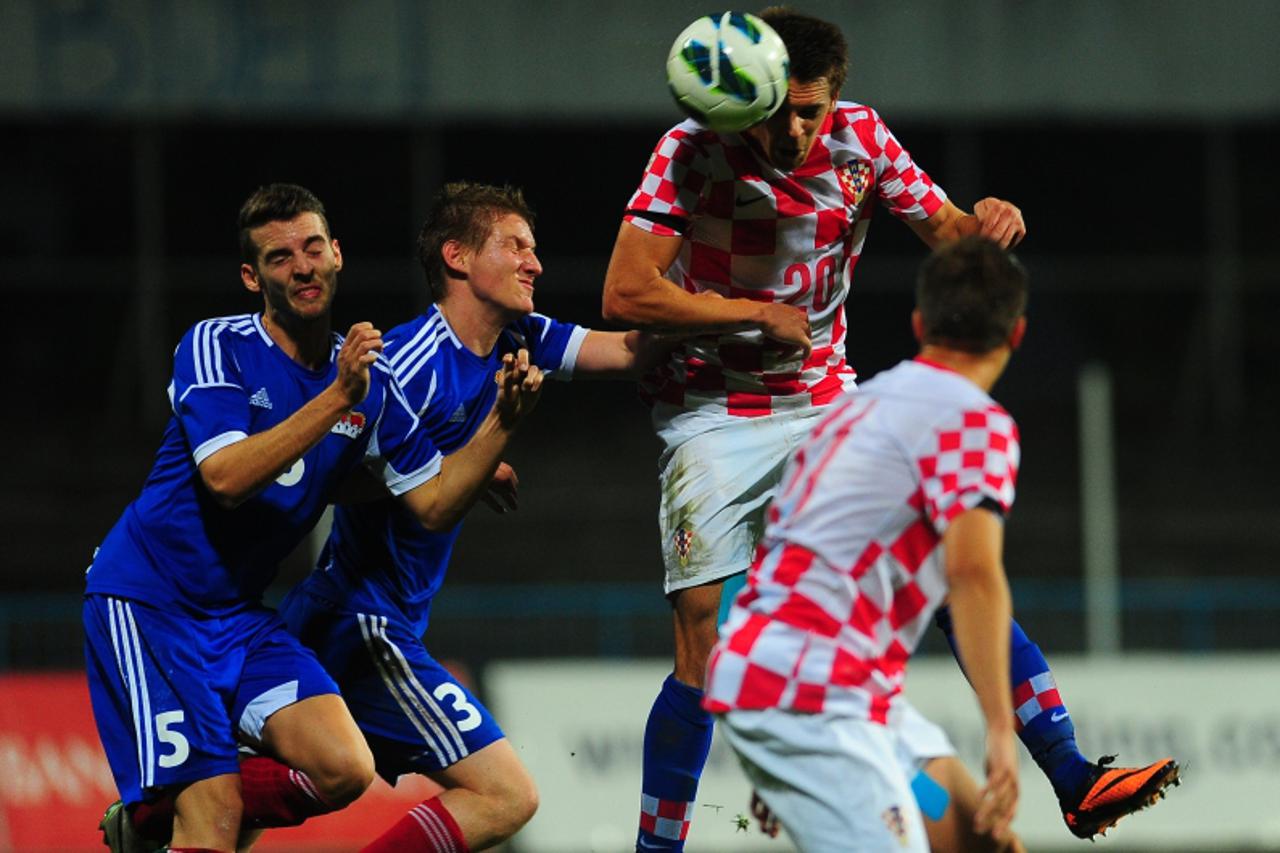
260 399
459 414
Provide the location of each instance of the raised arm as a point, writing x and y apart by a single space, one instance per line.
993 218
239 471
637 294
980 612
442 501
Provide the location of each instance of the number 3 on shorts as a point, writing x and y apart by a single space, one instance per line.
452 694
175 739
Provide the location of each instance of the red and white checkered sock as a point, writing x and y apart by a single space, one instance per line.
427 828
277 795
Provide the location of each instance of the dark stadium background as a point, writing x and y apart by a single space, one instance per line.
1197 461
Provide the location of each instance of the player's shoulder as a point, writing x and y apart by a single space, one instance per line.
236 325
422 340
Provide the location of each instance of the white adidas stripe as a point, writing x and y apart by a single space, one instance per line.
413 710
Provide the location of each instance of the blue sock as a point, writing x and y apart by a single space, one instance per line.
1043 724
677 740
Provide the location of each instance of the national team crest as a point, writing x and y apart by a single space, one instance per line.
684 543
892 818
856 178
351 425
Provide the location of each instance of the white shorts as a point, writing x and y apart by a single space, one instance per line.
715 487
835 782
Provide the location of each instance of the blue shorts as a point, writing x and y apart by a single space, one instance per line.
171 693
416 717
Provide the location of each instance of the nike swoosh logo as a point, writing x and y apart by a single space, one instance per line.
1058 717
640 842
743 202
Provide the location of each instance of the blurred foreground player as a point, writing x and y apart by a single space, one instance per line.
896 500
773 220
365 608
271 412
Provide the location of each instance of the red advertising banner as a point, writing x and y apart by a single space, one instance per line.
55 783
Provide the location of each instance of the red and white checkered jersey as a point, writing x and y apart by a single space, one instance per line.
753 231
850 569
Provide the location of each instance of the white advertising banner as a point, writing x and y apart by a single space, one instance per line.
578 725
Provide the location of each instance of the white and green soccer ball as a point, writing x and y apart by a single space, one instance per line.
728 71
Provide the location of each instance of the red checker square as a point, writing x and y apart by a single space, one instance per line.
994 481
709 264
743 404
948 441
672 809
866 559
949 482
1049 699
761 688
865 616
720 200
894 660
1022 693
804 613
975 420
879 711
849 671
914 545
782 384
974 459
648 822
754 236
818 357
667 191
795 561
907 604
996 441
928 466
809 698
793 198
831 226
826 389
745 637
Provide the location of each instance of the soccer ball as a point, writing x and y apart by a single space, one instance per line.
728 71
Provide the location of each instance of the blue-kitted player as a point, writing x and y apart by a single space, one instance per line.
271 413
366 606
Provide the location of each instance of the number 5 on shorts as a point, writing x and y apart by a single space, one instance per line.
175 739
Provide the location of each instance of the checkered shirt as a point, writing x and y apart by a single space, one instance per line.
850 569
752 231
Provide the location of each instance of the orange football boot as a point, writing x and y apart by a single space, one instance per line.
1115 792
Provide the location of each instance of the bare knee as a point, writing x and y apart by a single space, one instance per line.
207 813
513 804
343 774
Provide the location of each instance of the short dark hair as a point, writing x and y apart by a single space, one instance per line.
970 294
464 211
275 203
815 47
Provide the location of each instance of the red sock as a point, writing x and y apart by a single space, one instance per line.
277 795
427 828
153 820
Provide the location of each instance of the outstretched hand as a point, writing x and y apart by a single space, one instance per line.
999 799
519 385
500 494
359 350
1000 222
764 817
787 324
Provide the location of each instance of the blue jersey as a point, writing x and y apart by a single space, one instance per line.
379 559
174 546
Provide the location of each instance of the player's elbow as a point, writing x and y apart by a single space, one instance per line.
222 487
616 307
